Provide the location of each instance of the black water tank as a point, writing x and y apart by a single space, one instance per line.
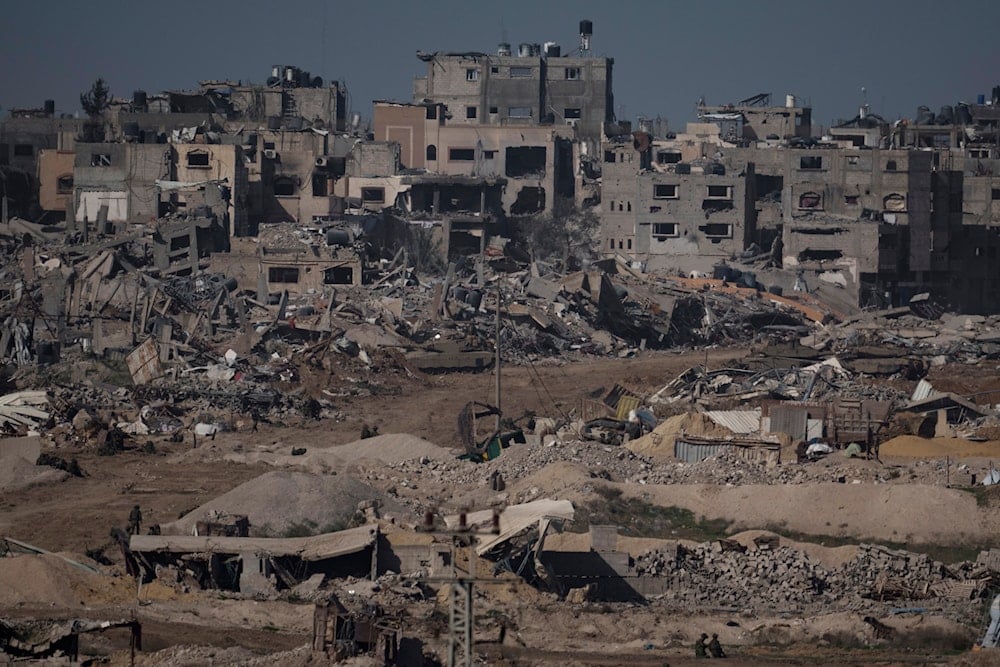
946 116
964 114
924 116
50 107
338 237
139 100
317 82
586 27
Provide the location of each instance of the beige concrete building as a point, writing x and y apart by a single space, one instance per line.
55 180
757 119
225 167
530 86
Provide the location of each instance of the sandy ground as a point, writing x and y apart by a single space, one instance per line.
76 514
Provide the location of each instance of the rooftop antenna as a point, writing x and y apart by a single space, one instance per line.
503 32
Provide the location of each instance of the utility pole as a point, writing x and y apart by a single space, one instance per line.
496 361
460 616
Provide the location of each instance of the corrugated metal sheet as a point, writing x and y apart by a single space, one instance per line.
789 419
625 405
690 452
692 449
144 362
742 422
923 390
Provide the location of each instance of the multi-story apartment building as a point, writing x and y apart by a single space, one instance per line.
537 85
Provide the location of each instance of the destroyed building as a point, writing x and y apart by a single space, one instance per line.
756 118
536 85
699 209
298 261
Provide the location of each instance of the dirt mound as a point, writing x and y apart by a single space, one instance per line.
280 502
390 448
49 580
660 443
917 447
17 473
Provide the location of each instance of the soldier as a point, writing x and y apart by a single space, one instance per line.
134 520
715 648
699 647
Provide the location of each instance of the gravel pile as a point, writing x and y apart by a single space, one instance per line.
278 501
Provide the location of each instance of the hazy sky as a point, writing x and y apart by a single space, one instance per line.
667 53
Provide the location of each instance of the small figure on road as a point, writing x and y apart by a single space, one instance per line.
134 520
715 648
700 650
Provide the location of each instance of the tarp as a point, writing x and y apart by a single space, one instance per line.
167 186
91 201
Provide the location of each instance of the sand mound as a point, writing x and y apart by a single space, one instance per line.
278 501
660 443
49 580
17 473
917 447
390 448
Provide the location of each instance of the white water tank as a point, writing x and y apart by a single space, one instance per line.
789 101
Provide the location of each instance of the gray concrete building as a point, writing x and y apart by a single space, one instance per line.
534 85
862 219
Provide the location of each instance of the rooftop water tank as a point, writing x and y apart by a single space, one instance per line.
503 49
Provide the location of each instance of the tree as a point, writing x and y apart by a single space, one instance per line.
96 100
563 234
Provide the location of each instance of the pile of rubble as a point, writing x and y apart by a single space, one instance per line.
727 574
900 333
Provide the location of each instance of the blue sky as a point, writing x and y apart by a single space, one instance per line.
667 54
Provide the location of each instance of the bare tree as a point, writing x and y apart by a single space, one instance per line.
564 234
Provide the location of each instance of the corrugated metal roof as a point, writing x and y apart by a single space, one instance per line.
737 421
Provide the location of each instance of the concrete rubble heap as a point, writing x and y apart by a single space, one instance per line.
762 577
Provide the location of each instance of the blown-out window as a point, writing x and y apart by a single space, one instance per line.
894 202
811 201
197 159
284 186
